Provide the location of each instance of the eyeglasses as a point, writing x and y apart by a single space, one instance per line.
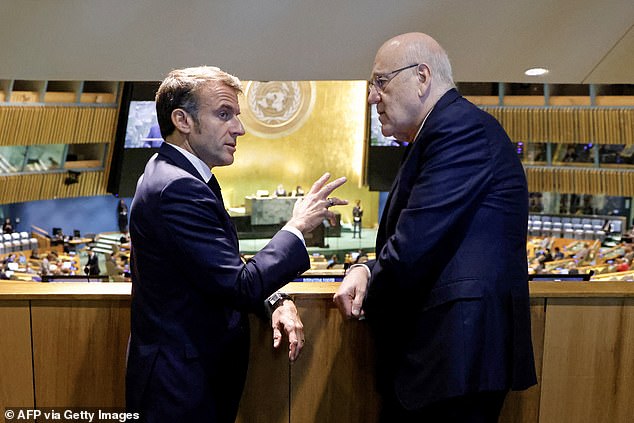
379 82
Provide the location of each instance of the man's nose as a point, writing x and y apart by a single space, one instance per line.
238 128
373 95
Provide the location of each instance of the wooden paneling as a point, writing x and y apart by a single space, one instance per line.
583 339
79 352
46 186
265 398
334 379
39 124
523 406
16 375
588 370
566 125
581 181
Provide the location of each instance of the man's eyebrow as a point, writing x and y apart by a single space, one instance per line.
228 107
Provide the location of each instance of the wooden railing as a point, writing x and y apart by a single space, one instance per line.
63 345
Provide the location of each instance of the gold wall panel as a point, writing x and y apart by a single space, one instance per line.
332 138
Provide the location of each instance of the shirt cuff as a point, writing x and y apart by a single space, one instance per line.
367 269
295 232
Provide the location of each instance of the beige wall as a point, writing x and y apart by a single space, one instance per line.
332 138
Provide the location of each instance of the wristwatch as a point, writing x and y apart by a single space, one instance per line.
274 301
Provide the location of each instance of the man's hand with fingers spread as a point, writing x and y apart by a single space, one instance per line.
311 210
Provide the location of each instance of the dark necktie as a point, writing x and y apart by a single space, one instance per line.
215 187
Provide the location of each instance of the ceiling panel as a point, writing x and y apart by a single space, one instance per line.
617 67
487 40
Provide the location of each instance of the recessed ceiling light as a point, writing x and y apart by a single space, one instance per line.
536 72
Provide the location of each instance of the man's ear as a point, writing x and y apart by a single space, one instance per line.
182 121
423 73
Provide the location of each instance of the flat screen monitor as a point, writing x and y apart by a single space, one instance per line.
137 138
142 129
384 154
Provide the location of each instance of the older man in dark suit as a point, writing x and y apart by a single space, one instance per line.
189 342
447 296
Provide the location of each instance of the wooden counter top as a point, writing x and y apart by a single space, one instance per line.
316 290
15 290
581 289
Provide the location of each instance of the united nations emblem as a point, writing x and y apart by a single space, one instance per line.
277 108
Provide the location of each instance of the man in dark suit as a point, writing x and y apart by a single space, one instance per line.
447 296
189 341
92 265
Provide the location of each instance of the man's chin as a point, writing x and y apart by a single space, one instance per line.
387 132
226 162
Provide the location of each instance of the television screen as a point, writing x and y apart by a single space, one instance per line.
137 137
142 129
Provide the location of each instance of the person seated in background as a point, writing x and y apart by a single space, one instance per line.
332 261
299 191
622 264
3 274
558 254
629 253
547 256
582 254
114 269
45 268
536 265
280 191
359 257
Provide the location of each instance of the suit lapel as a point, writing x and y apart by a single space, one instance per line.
173 155
170 153
394 203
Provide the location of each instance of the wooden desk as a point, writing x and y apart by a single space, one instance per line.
64 345
78 241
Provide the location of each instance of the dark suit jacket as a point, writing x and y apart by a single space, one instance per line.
93 265
189 336
448 296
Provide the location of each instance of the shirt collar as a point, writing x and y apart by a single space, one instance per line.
421 125
200 166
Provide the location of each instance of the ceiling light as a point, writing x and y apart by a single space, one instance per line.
536 72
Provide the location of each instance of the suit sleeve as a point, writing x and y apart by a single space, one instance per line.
201 235
450 181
